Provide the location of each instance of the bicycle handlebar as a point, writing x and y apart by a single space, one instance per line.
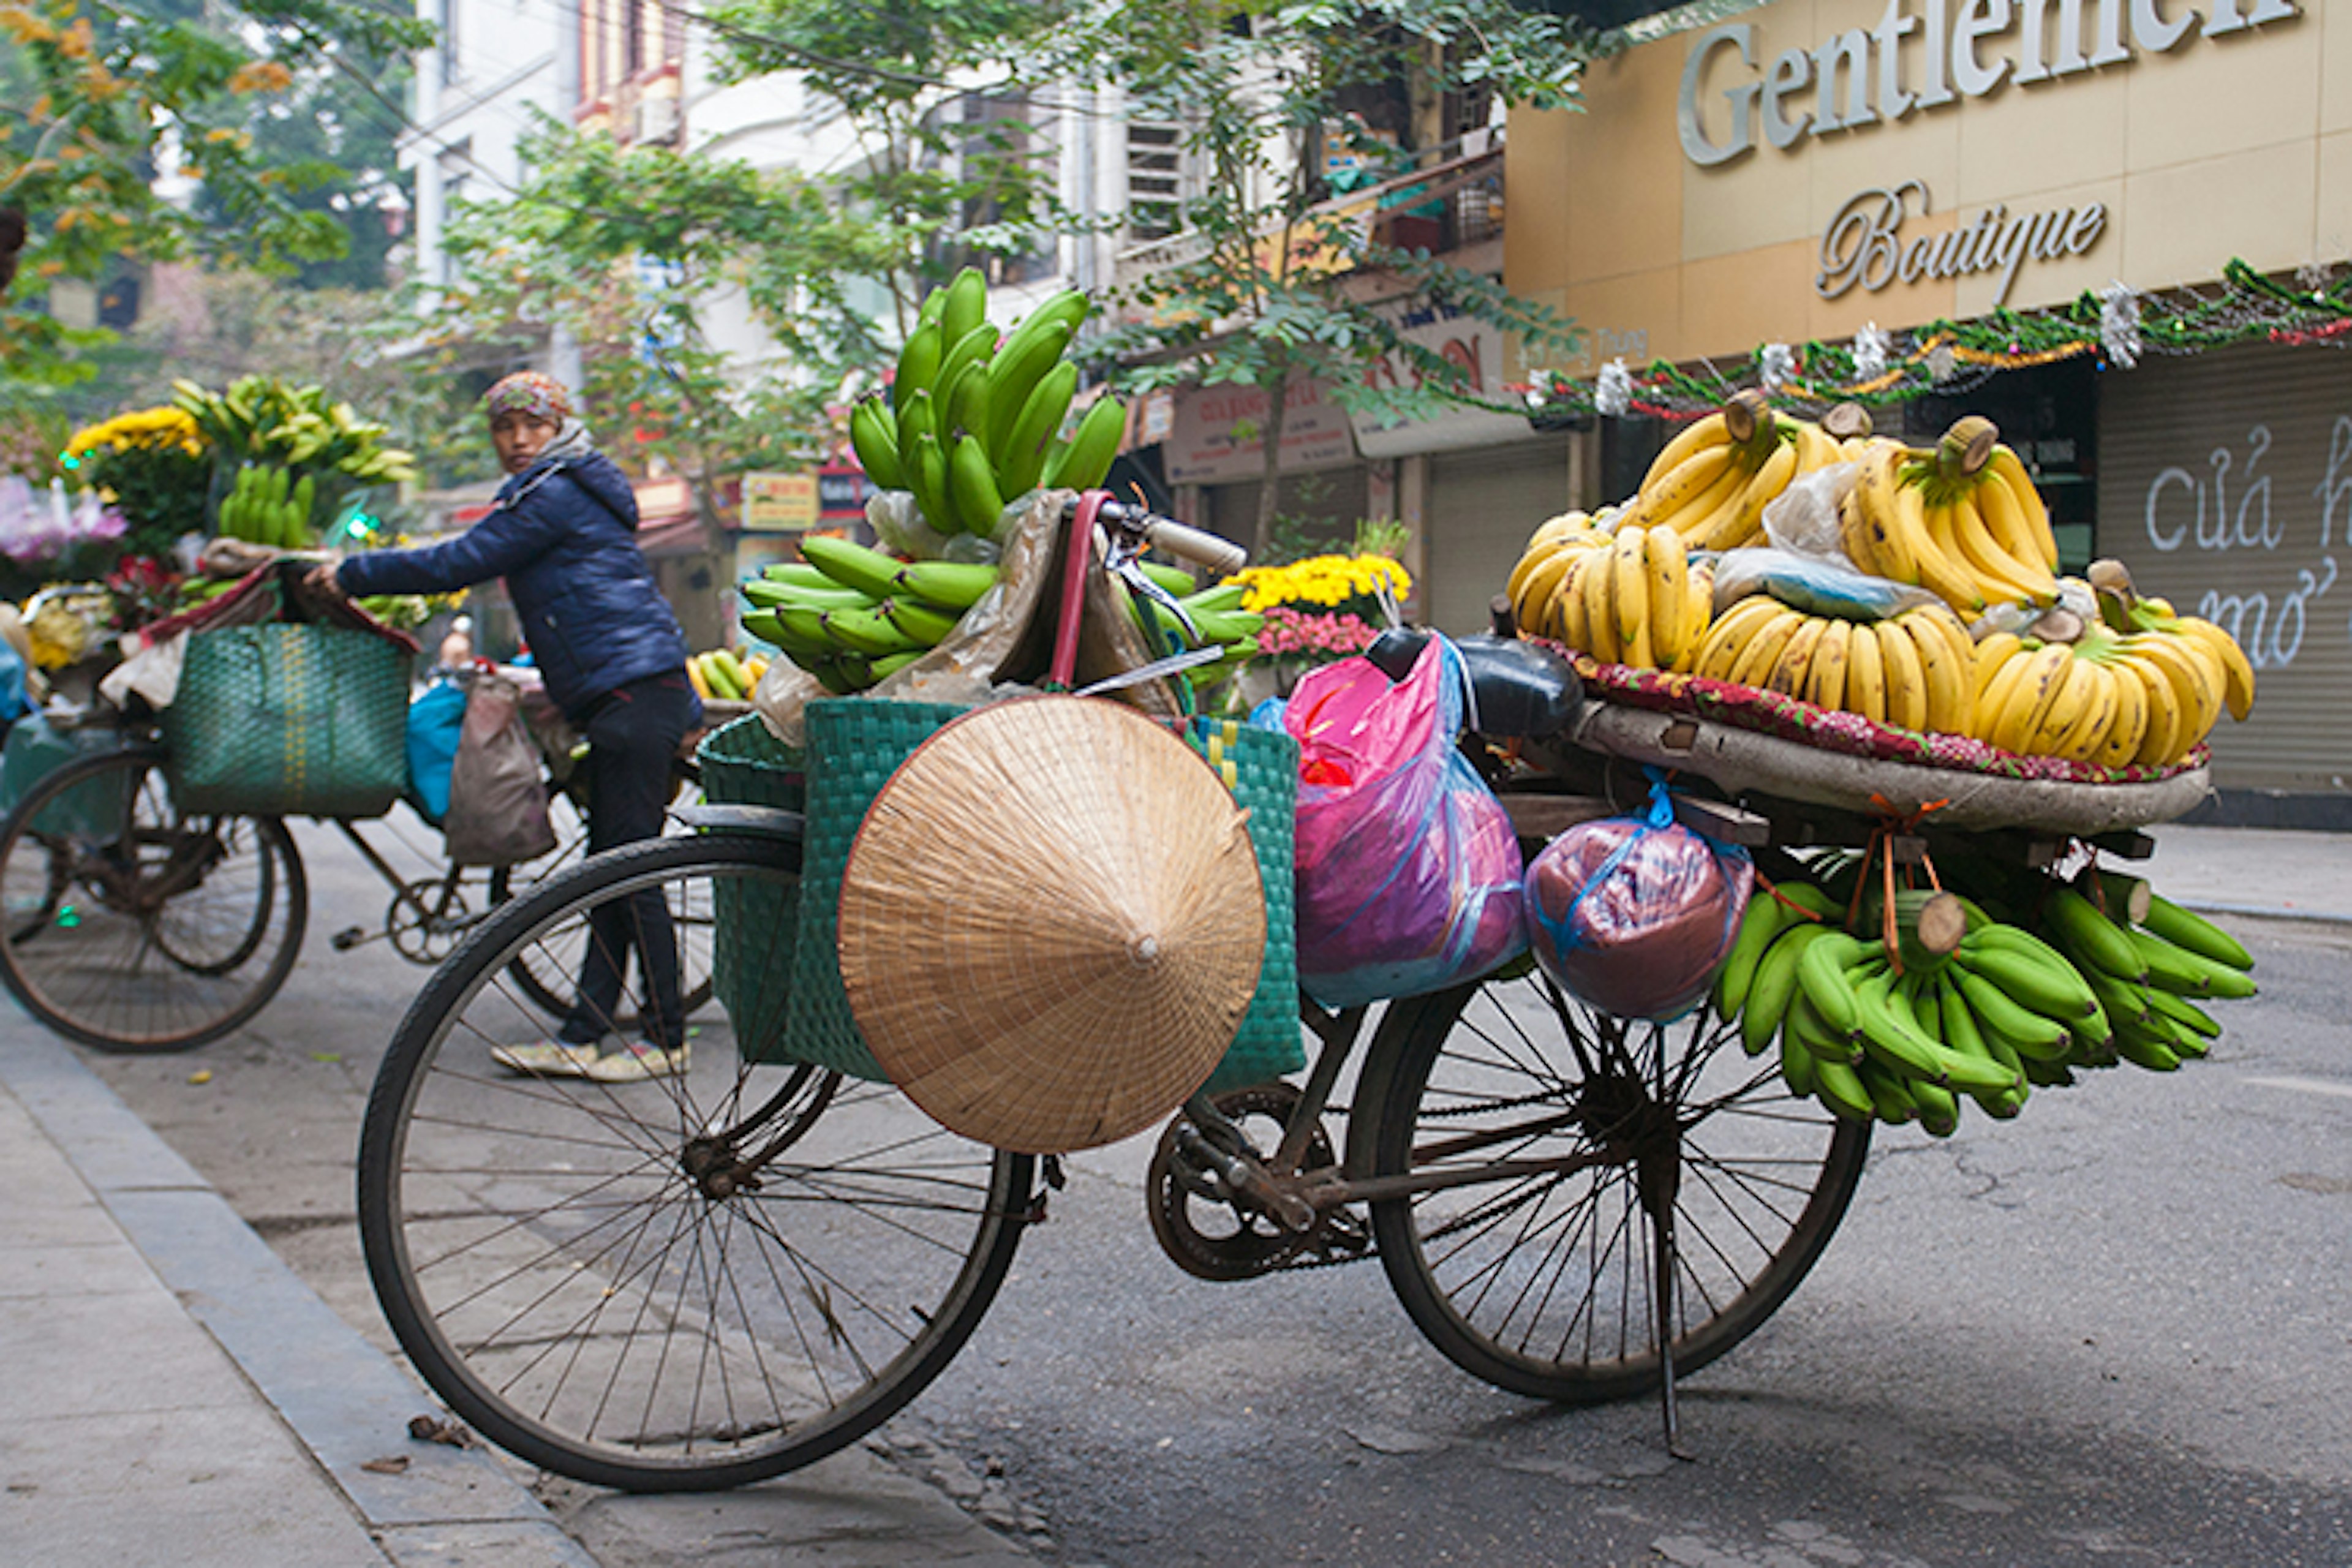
1219 556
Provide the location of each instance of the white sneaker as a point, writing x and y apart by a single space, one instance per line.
635 1063
546 1058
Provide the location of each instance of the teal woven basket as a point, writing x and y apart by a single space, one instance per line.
283 720
754 923
854 744
1261 767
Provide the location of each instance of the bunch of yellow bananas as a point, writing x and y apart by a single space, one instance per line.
1625 596
2147 695
1714 480
1913 671
1962 519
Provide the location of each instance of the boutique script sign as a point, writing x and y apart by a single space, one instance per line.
1865 246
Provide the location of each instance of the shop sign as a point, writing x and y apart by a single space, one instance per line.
1473 345
780 503
1865 246
1216 436
841 491
1958 54
663 500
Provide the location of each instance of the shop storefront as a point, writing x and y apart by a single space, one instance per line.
1895 198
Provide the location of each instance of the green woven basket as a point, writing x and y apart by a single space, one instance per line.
289 721
1261 767
753 922
854 744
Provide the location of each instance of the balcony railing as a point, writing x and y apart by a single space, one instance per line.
1451 197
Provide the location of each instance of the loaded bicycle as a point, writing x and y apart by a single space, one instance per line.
133 924
722 1275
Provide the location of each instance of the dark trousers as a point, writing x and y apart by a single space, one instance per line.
632 734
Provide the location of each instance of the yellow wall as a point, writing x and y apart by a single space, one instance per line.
2234 146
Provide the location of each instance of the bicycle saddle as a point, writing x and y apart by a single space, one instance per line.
1522 692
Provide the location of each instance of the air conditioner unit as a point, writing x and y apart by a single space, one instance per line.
656 119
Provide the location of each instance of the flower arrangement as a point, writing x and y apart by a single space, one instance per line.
44 530
1324 608
153 465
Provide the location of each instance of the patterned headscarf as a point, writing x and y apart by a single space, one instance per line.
528 392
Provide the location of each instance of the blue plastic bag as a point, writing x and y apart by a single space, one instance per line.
1409 869
436 719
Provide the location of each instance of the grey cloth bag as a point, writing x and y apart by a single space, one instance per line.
497 795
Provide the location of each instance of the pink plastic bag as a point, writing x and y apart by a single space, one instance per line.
1409 870
1633 915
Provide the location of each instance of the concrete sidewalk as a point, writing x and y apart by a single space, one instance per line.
2273 873
175 1395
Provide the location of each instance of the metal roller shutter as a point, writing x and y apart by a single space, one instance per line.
2225 484
1482 506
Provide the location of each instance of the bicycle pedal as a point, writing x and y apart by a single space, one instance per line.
347 939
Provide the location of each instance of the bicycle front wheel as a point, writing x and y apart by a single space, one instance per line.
682 1283
132 926
1539 1273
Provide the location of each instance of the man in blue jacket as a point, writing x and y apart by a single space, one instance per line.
563 534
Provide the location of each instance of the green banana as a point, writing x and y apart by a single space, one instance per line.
1024 459
2187 973
965 356
1758 925
2029 1033
1223 596
832 597
869 572
1796 1067
965 308
919 366
890 664
1086 461
1021 363
1895 1040
1821 970
927 624
1838 1087
1805 1025
1174 579
769 628
2053 987
1890 1101
1775 983
799 571
2193 932
2182 1012
875 437
972 488
867 632
2089 935
2147 1050
951 585
1938 1109
932 484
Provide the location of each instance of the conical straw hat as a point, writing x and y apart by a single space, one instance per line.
1051 923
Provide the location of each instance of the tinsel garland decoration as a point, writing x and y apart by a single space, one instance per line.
1882 368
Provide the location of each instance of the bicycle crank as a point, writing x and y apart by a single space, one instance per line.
1204 1203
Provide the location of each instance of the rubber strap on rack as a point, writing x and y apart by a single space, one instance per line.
1077 557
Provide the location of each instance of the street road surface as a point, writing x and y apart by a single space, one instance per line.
2113 1331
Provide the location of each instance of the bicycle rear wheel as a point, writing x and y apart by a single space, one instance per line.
134 928
684 1283
1545 1282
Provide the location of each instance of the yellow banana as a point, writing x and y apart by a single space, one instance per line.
1567 525
1597 587
1962 529
1763 650
1824 684
2023 536
1890 553
1533 593
2167 716
1787 673
2237 669
1565 620
2070 694
1689 479
1728 638
1945 677
2121 742
1535 556
1998 683
1816 449
1743 522
1668 573
1629 597
1990 654
1698 610
2199 695
2081 740
1696 516
2008 471
1690 440
1939 573
2045 669
1906 683
1865 677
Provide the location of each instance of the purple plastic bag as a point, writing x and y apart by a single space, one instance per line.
1409 869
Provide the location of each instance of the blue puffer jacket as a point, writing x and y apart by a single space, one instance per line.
563 536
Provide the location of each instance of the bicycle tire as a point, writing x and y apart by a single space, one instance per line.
538 1244
547 979
1512 1280
110 972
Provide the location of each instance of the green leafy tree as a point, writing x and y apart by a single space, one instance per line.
102 104
1275 278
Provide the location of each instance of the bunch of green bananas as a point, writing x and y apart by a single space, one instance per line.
1217 620
1901 1036
2145 958
265 417
851 616
269 506
972 422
